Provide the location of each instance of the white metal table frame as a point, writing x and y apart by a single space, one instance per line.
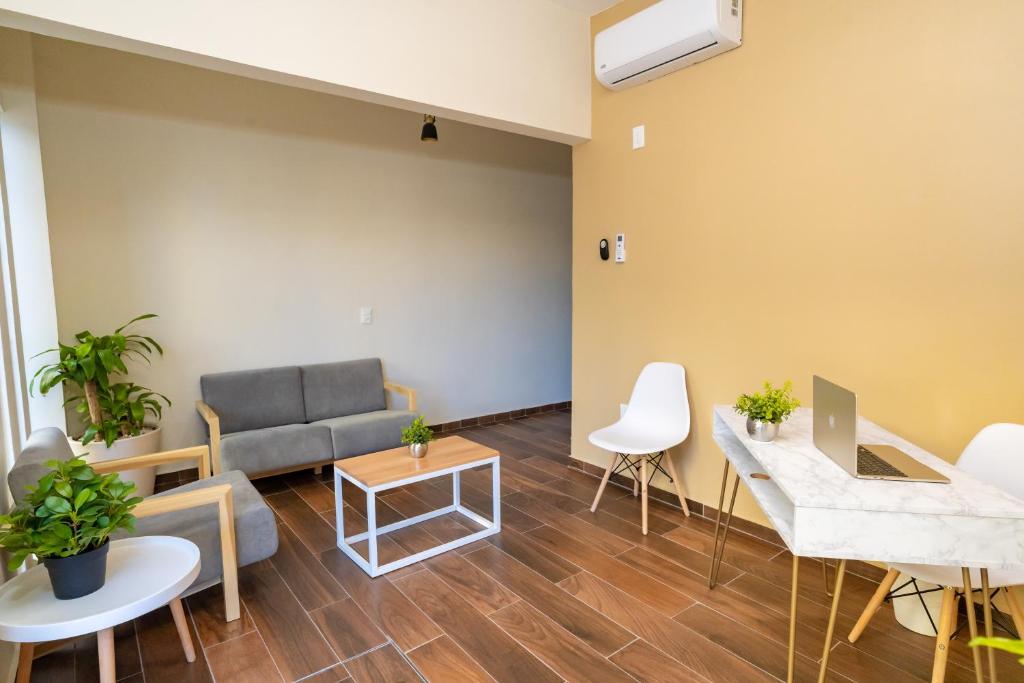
373 532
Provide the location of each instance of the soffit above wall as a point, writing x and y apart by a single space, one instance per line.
589 7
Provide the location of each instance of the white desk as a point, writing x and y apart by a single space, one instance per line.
821 511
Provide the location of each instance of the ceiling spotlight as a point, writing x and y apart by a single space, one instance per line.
429 133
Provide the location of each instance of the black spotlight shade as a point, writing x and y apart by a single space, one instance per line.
429 133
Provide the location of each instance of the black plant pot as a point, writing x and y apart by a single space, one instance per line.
78 575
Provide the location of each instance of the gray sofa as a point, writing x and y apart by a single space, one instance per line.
277 420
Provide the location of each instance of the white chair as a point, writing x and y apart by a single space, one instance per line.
996 456
656 419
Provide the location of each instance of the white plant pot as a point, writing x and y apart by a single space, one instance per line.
146 442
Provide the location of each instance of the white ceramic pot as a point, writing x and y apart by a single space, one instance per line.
146 442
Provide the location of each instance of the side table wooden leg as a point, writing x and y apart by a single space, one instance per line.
25 655
105 642
183 633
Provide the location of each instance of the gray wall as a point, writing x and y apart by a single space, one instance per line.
256 219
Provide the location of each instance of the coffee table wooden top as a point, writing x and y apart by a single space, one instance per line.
385 467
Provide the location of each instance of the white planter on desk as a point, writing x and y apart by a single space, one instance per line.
143 444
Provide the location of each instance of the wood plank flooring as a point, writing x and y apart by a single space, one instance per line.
560 594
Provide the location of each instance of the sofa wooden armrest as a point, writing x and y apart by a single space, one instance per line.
410 394
213 424
199 454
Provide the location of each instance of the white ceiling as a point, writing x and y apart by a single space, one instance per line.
590 7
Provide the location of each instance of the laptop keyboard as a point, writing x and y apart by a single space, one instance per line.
871 465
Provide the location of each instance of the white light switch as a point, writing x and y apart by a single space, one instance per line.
620 248
638 137
366 315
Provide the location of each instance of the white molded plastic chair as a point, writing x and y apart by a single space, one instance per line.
656 419
996 456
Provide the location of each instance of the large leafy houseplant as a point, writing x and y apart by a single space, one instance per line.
110 410
70 513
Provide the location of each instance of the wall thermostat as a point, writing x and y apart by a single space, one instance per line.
620 248
603 249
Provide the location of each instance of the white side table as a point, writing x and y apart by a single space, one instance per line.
142 574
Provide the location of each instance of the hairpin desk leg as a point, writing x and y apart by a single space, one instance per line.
972 624
716 560
718 525
791 660
986 603
830 631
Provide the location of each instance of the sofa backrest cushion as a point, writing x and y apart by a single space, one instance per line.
346 388
42 445
254 399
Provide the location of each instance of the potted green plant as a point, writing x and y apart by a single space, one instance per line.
66 521
114 414
418 435
766 410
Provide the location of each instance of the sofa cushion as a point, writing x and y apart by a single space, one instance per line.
42 446
367 432
255 526
346 388
275 448
254 399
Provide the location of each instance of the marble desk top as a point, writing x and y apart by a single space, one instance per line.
811 480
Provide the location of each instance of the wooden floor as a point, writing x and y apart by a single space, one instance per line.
560 594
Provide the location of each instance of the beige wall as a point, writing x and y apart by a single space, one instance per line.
520 66
256 219
842 195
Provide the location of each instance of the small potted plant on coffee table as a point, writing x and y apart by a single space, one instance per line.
66 521
418 436
766 411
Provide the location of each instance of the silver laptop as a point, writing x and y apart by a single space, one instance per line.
835 435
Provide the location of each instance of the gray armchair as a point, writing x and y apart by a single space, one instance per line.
223 515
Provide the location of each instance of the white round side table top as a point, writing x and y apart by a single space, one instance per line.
142 574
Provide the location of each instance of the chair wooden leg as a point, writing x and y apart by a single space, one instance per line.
1016 604
180 623
643 486
105 644
25 655
604 481
947 622
873 604
680 491
636 485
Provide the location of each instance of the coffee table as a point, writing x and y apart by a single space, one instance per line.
143 574
376 472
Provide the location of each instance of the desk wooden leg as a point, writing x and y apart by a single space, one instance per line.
947 621
791 658
105 641
183 633
986 603
972 623
25 655
876 601
604 481
643 487
830 631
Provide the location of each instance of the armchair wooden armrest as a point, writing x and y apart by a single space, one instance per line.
410 394
199 454
213 423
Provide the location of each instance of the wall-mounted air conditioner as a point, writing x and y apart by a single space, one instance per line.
665 37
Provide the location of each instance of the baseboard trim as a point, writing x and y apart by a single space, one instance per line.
497 418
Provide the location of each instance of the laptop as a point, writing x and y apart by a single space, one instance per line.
835 435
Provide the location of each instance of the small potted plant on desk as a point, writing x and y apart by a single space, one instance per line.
66 521
418 436
766 411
